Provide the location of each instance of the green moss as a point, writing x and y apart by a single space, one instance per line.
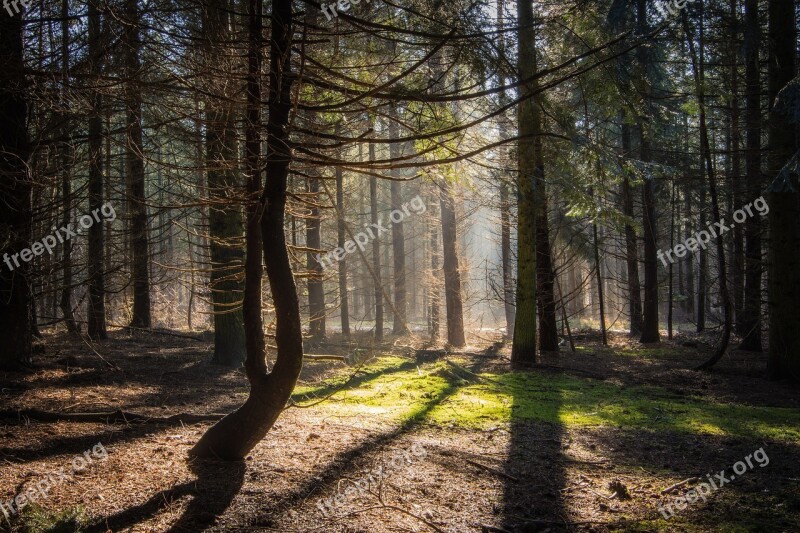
37 519
403 391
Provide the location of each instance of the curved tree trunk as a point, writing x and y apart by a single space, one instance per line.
237 434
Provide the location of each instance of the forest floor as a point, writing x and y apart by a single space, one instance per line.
587 441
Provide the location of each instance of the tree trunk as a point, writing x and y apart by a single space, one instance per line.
15 188
784 203
140 262
452 273
737 274
237 434
398 236
225 221
698 69
751 317
376 251
65 302
631 248
435 298
96 310
316 289
344 307
548 333
523 351
505 203
702 270
599 273
650 331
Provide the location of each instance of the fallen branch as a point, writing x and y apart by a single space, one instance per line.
314 357
158 332
679 484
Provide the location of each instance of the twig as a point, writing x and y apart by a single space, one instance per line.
679 484
110 365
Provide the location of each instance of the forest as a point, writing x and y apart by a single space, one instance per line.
495 266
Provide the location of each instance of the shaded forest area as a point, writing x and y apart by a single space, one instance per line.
421 266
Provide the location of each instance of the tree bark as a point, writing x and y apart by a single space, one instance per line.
546 302
505 202
523 351
452 273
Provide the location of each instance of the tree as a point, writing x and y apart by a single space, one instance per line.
650 332
783 197
96 286
15 188
225 218
235 435
452 273
134 165
751 315
523 350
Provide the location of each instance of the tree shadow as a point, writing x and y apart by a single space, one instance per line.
211 493
350 460
532 493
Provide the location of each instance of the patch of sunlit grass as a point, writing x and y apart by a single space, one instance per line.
432 393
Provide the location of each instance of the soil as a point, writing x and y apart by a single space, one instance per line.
522 476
